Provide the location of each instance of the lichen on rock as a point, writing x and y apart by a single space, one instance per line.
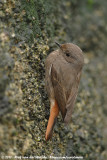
28 30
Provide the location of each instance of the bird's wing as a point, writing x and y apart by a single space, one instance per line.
72 98
58 90
65 83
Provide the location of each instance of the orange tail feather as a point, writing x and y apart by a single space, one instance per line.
53 115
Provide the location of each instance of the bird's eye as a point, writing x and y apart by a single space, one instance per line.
67 54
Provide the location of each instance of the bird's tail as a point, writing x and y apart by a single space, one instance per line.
52 119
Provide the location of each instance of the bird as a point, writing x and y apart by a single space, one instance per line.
63 68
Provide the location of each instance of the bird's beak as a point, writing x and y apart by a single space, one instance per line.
58 44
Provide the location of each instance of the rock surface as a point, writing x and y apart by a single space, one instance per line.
28 30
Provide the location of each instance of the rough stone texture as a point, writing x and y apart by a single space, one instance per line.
28 30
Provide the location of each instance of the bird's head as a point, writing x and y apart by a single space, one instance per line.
71 52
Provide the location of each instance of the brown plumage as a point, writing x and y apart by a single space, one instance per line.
63 71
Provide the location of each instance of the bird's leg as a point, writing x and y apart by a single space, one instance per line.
52 119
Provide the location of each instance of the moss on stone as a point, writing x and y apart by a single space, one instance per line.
28 32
